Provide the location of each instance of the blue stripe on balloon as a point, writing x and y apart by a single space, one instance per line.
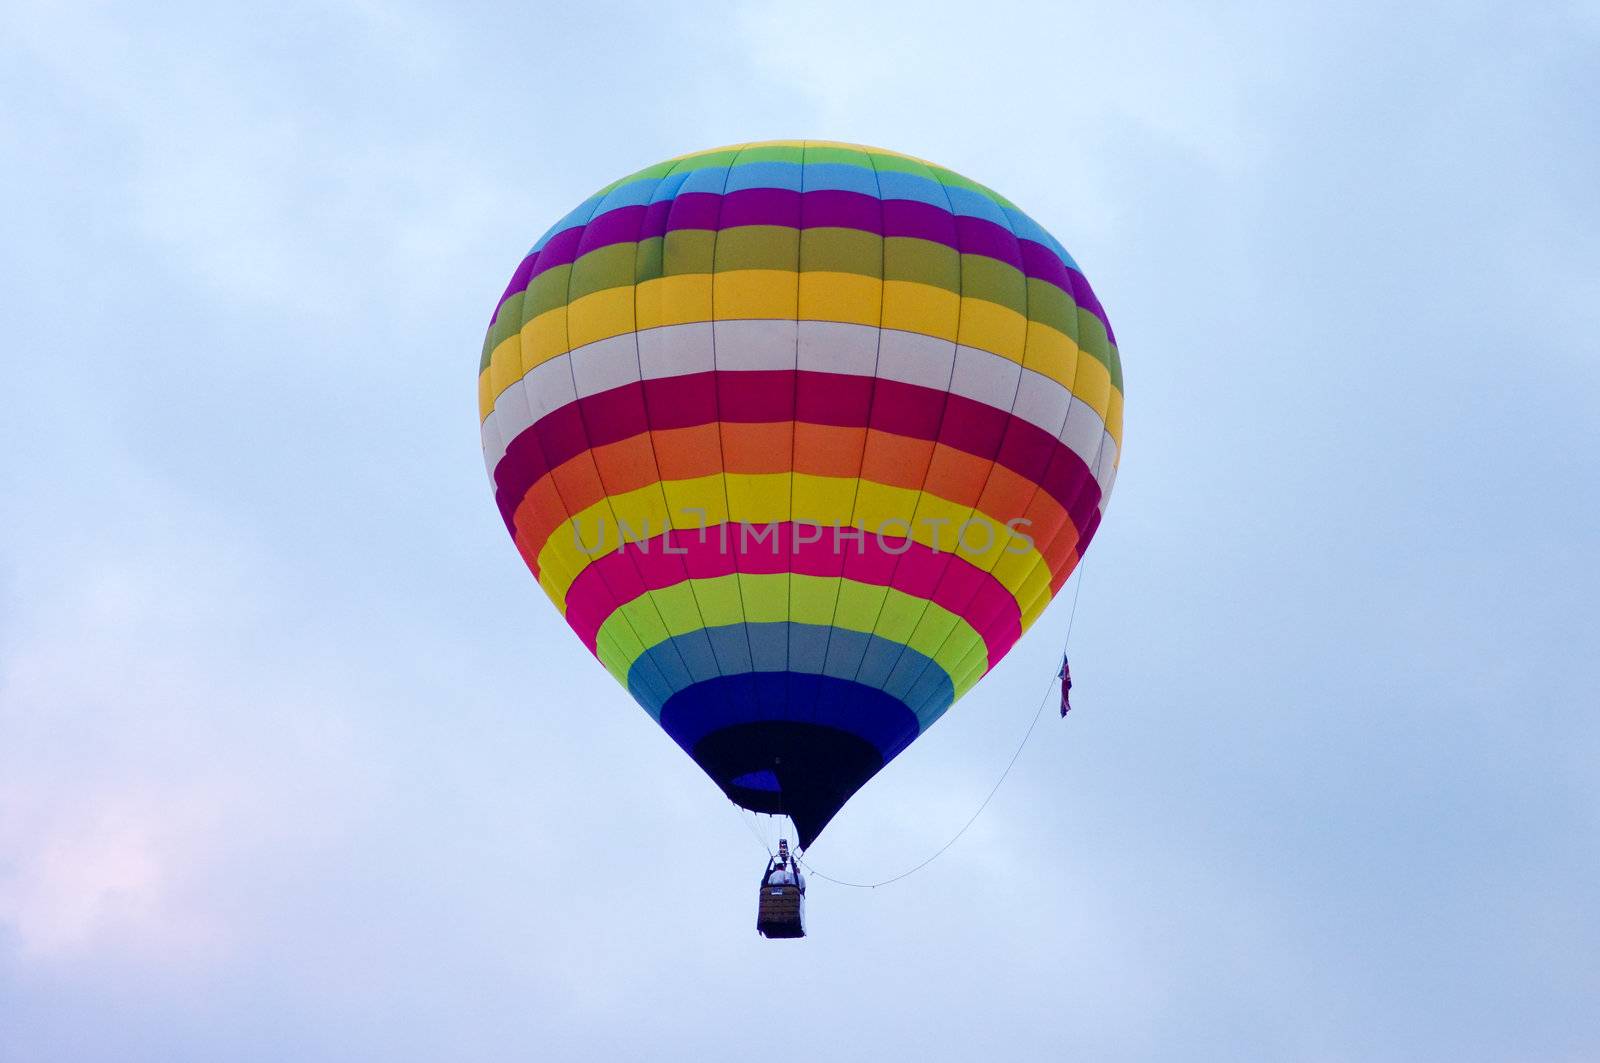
897 184
840 177
976 205
812 177
765 697
1028 229
764 175
632 194
902 673
707 179
669 186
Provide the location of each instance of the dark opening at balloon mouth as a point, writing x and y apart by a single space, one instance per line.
789 744
810 770
764 781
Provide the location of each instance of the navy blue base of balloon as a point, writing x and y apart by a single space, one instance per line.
787 743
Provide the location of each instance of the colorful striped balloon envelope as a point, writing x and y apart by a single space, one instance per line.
800 437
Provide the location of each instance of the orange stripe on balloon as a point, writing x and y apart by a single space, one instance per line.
687 453
757 448
891 460
828 450
626 465
895 460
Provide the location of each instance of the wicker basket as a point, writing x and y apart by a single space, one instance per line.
781 912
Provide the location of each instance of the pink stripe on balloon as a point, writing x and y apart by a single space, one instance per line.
948 580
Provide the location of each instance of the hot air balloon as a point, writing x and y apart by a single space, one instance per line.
799 437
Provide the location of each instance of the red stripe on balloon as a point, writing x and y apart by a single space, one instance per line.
761 396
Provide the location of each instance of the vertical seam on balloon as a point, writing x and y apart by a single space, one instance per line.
716 401
1120 386
533 422
493 479
533 431
689 581
1093 479
944 408
794 435
693 584
644 401
583 427
1081 544
994 460
1093 467
861 456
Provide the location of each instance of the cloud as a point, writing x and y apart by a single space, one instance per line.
151 732
297 763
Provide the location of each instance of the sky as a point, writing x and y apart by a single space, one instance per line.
296 761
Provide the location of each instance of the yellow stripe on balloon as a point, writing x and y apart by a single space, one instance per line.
681 299
926 309
754 294
596 316
1114 420
764 498
993 328
1050 353
909 306
826 295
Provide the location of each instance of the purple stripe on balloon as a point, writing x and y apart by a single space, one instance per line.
757 206
618 226
655 218
1039 261
979 237
920 221
519 282
560 249
1084 296
825 208
833 208
694 210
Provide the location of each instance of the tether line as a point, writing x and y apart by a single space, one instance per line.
1032 724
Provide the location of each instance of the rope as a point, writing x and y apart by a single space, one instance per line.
1033 723
755 832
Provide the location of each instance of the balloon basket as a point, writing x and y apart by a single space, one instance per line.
781 912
